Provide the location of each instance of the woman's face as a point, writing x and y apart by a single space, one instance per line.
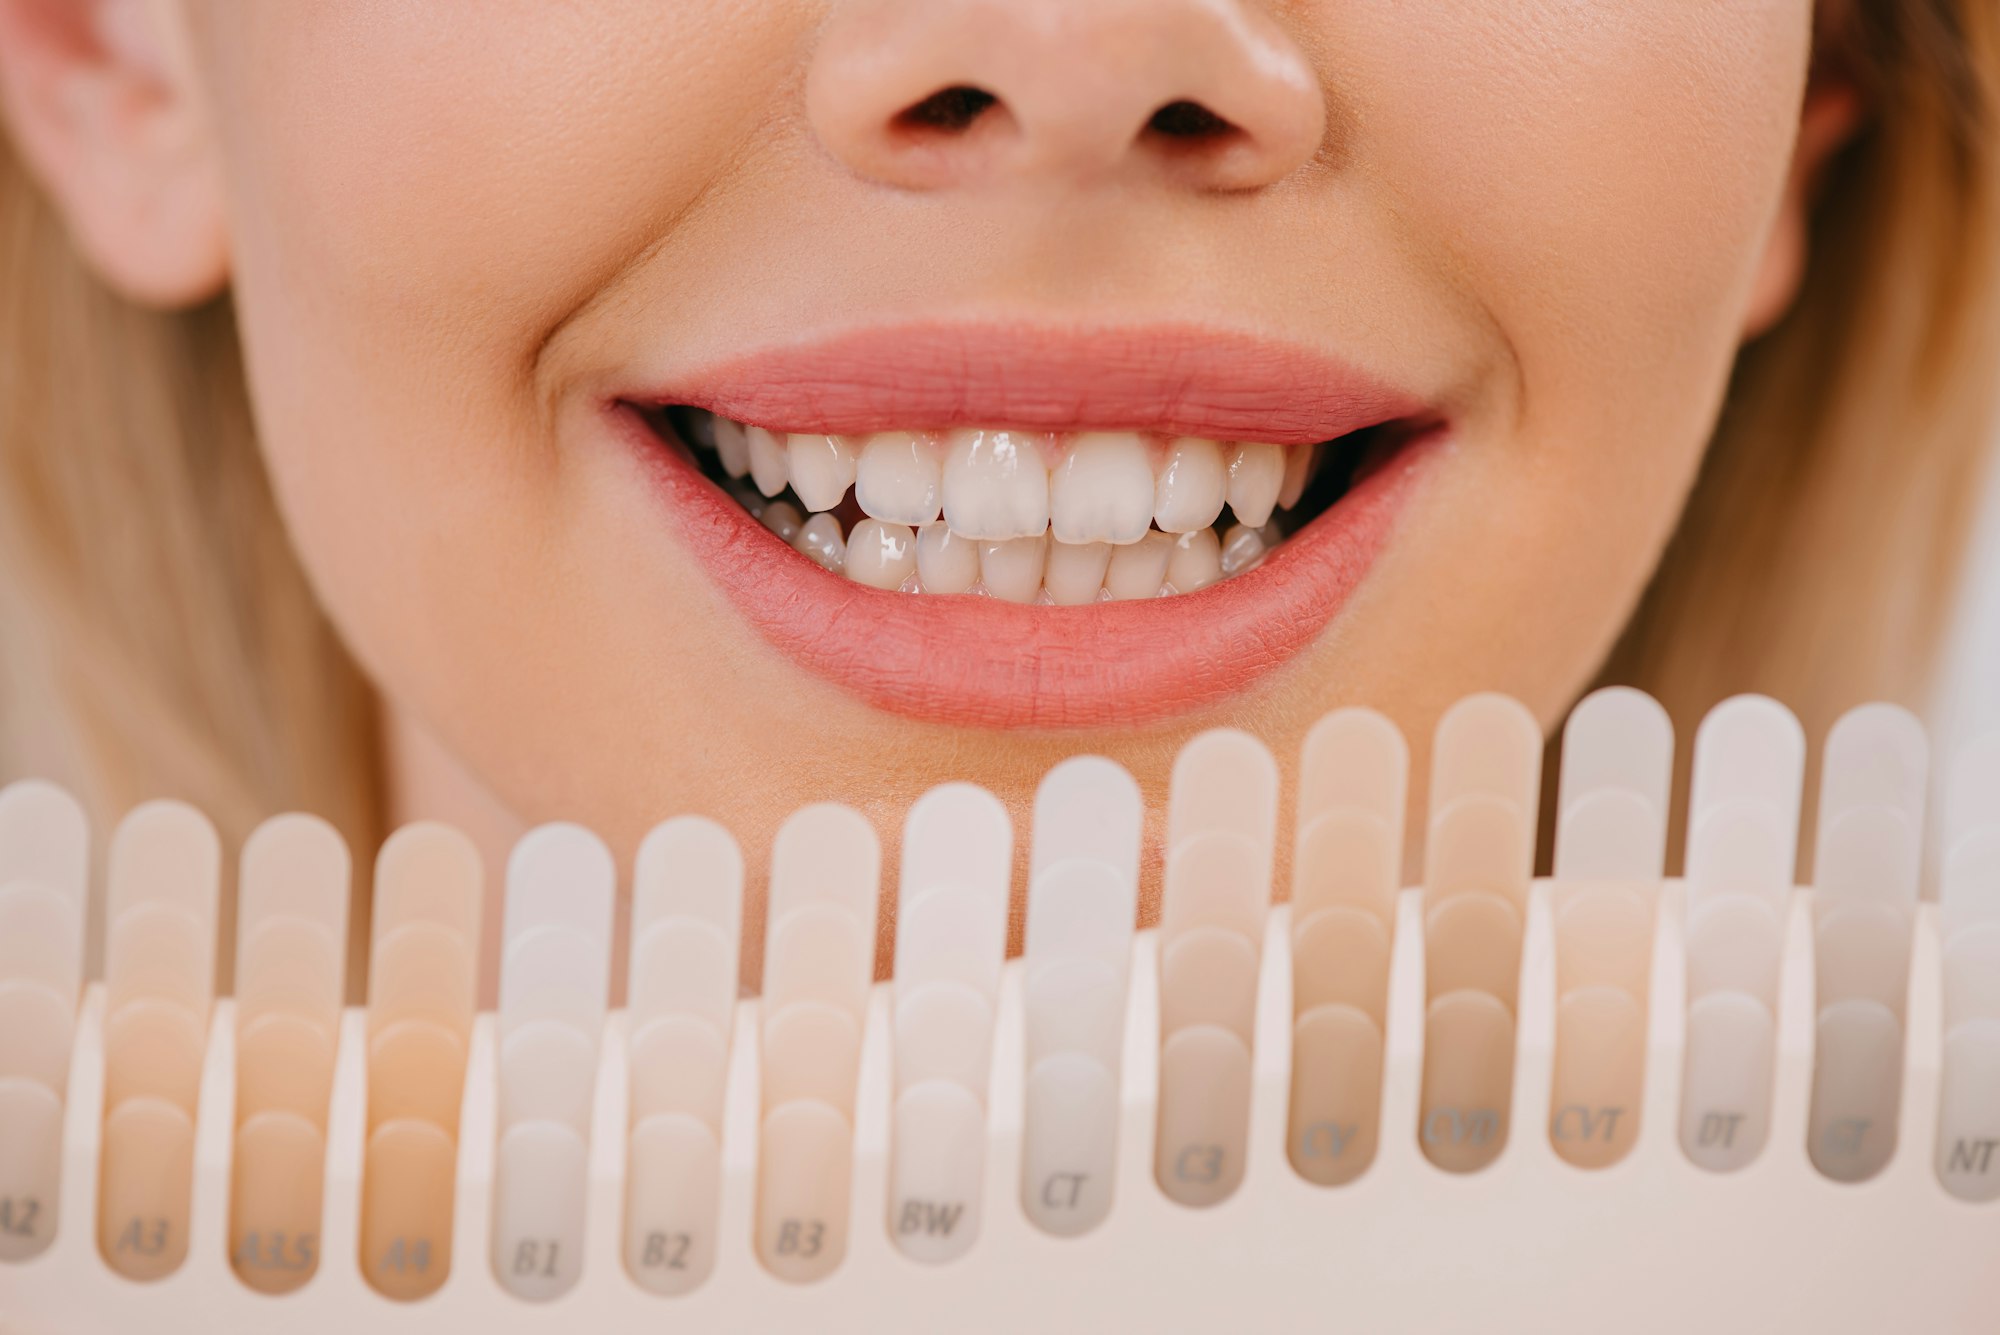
1500 254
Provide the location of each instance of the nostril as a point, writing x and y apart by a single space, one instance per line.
1187 121
947 111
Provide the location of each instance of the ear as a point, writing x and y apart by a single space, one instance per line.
100 97
1832 114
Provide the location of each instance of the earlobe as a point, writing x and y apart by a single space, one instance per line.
106 116
1831 116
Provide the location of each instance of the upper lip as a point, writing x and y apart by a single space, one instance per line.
1178 380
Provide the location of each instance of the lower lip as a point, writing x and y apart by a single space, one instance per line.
973 661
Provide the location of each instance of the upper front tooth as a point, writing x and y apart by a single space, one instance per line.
1102 491
1299 461
1193 483
822 470
770 462
898 479
731 446
1256 476
995 485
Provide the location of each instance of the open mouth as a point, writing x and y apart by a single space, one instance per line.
1052 518
1022 526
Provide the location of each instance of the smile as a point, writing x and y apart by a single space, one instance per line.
1008 527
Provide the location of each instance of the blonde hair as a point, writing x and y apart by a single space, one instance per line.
161 640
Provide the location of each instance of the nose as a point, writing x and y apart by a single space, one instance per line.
928 94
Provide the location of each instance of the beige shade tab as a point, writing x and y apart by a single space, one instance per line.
804 1172
1347 859
1468 1081
153 1049
1726 1082
943 1031
1340 956
37 1031
277 1177
1862 953
1480 844
145 1188
164 853
41 937
1088 809
284 1063
541 1192
1081 910
1336 1104
1355 761
678 1065
1069 1156
1615 788
290 966
416 1073
1204 1115
957 862
683 967
1874 787
1604 938
547 1074
689 869
1208 976
1075 1006
1225 781
1487 745
31 1126
423 971
1735 944
295 867
953 935
160 951
826 854
1599 1077
673 1200
1472 943
937 1167
428 872
1743 805
812 1051
822 953
1215 878
45 840
408 1178
555 973
1968 1129
1857 1088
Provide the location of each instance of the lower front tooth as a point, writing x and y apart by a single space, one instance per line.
1076 572
1012 567
898 479
782 518
1196 562
731 446
1138 571
819 540
1241 548
822 469
770 462
946 562
1102 491
881 555
1256 476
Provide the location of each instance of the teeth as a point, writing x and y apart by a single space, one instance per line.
946 562
1076 572
995 485
1299 461
1242 547
1102 491
1197 561
782 518
881 555
1138 571
731 446
770 463
822 469
982 510
1256 474
819 540
899 479
1012 567
1192 485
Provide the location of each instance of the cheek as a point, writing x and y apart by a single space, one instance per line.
416 202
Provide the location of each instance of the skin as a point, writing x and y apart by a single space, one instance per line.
1561 219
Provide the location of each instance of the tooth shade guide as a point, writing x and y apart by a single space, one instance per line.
288 965
547 1072
41 938
284 1064
673 1197
44 840
153 1049
422 971
689 867
1336 1096
678 1066
1604 938
540 1189
274 1202
1468 1080
145 1188
1857 1083
1599 1076
37 1028
683 967
1969 1111
30 1166
406 1209
1726 1087
1204 1115
1734 945
295 868
1615 789
1208 976
1341 956
157 951
165 855
1473 944
428 873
